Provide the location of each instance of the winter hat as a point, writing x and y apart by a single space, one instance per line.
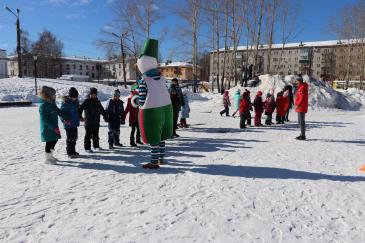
116 93
150 48
238 91
73 93
299 78
48 91
259 93
93 91
226 92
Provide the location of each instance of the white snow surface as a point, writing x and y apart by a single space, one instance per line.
221 184
15 89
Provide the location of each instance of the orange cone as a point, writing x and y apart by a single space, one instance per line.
362 168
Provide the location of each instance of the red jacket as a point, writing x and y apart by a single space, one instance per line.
133 112
282 104
269 105
244 106
301 98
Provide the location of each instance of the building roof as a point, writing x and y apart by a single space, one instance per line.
298 44
176 64
75 58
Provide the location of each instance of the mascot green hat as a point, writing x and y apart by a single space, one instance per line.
150 48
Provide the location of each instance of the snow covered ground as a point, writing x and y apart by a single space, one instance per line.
221 184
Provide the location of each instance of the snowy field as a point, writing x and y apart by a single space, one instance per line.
221 184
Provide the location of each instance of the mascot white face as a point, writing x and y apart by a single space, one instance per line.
146 63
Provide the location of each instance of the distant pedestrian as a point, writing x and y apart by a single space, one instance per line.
269 107
185 111
301 105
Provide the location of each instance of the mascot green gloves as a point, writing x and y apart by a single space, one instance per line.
155 109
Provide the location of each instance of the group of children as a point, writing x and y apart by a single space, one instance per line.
242 104
71 113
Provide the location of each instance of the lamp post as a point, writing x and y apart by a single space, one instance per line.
35 58
123 55
18 48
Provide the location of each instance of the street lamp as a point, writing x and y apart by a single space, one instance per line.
35 58
123 55
20 74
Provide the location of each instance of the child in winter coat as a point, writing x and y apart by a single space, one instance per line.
244 109
237 99
114 110
259 108
249 111
70 107
133 118
93 109
185 111
269 107
49 112
226 103
281 107
289 88
176 106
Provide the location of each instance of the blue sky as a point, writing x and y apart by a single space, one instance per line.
78 22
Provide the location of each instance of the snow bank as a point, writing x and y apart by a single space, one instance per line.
321 95
15 89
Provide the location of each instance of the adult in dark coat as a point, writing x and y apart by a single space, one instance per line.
176 106
93 110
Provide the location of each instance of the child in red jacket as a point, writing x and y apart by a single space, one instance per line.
259 108
244 109
269 107
133 118
282 105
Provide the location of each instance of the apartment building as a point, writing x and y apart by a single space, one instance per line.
3 64
323 59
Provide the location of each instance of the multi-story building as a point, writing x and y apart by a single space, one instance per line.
95 69
180 70
3 64
113 69
323 59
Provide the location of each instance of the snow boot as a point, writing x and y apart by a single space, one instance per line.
139 141
49 159
118 144
162 162
301 137
111 146
132 143
151 166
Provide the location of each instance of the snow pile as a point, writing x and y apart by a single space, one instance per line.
321 95
16 89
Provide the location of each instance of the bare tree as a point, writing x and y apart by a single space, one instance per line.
272 9
258 38
190 12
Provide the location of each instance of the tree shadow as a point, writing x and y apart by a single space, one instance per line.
269 173
220 130
360 142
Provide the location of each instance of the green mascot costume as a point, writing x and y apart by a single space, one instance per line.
155 112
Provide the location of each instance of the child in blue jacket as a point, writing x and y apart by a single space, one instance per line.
70 107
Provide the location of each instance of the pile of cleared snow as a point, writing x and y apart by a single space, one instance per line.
321 95
16 89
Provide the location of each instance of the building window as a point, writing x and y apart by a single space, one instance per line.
80 67
87 67
74 66
87 74
318 65
92 68
68 66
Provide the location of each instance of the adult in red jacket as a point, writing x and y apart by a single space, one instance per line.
244 109
301 105
133 120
